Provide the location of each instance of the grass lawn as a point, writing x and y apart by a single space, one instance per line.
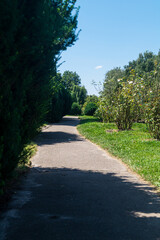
135 147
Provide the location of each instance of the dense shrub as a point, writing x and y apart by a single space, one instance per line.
132 94
75 109
105 111
152 116
90 108
32 37
60 104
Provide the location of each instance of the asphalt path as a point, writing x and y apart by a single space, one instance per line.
77 191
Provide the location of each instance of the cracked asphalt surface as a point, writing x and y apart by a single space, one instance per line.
76 191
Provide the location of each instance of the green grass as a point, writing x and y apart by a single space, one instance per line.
135 147
28 152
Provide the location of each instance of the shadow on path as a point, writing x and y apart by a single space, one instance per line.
50 138
74 204
70 204
68 121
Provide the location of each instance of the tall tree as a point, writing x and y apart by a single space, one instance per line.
71 79
111 83
33 34
60 102
79 94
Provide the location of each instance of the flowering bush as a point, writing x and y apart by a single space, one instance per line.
105 110
128 107
152 110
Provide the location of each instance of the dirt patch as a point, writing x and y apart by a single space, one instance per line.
112 130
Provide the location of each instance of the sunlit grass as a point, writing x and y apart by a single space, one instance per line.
135 147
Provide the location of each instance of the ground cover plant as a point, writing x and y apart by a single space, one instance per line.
24 163
135 147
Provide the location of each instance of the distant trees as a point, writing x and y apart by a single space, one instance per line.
111 82
71 79
90 108
79 94
144 63
33 34
91 104
60 101
72 82
75 109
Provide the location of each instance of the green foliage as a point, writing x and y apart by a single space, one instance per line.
152 111
70 80
144 63
132 95
79 94
128 103
75 109
111 83
60 103
105 111
136 148
27 153
106 103
33 34
92 98
90 108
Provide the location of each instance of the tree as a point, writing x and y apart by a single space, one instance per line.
79 94
75 109
111 83
92 98
144 63
71 79
60 102
90 108
132 94
33 34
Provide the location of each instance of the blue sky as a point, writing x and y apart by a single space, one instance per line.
114 32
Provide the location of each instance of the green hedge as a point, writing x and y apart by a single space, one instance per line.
32 36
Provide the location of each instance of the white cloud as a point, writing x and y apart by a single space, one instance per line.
98 67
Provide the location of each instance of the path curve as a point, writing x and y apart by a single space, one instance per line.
76 191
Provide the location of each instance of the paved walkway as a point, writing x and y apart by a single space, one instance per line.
76 191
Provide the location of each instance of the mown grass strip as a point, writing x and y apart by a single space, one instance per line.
135 147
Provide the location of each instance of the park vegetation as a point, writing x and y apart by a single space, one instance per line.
132 94
67 96
32 36
135 147
127 119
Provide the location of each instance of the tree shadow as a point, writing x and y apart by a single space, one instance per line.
49 138
79 204
89 120
68 121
